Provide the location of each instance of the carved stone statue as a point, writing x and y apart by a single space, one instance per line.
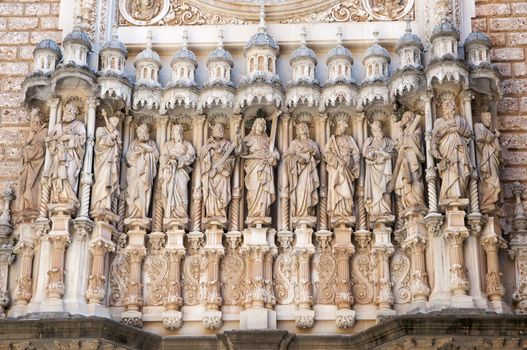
450 138
343 164
32 164
488 152
65 143
108 147
177 156
144 9
217 163
301 160
141 159
408 174
378 152
260 158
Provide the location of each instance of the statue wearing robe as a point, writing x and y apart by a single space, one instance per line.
177 156
408 174
450 139
488 152
108 147
378 152
258 165
141 159
301 160
65 143
342 157
217 164
32 164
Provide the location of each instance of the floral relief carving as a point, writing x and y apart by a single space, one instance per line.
400 272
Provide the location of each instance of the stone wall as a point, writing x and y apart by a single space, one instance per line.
505 21
23 24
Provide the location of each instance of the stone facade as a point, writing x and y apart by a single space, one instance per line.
262 192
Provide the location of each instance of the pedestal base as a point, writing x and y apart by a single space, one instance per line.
304 318
462 302
500 307
172 319
345 318
212 319
132 318
258 318
52 305
98 310
384 315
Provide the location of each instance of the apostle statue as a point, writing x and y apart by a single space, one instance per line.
342 157
65 143
217 164
260 158
488 152
378 152
301 160
177 156
32 164
408 175
141 160
108 147
450 139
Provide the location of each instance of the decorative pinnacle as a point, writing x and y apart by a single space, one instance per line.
339 36
408 25
149 40
114 31
184 38
303 36
220 39
376 36
262 27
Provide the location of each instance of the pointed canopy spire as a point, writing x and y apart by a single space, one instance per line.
303 36
185 38
408 25
262 27
220 39
149 40
114 31
376 37
339 36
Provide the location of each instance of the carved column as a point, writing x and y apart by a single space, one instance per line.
321 127
304 317
284 217
518 252
6 248
213 251
97 279
172 317
362 122
121 209
56 288
419 278
198 123
345 317
235 206
24 282
381 252
161 136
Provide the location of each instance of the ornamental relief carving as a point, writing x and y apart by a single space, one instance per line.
200 12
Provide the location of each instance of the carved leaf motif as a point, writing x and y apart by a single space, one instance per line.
285 278
400 272
155 274
327 272
362 285
233 272
119 272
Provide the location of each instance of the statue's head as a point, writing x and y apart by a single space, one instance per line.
449 108
486 119
376 128
302 130
341 127
177 133
259 127
114 121
218 131
35 119
71 111
142 133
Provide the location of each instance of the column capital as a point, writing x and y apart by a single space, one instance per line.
92 102
467 95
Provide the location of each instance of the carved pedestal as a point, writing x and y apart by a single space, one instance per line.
135 252
255 249
304 249
214 251
100 245
491 241
455 233
174 251
343 250
381 252
415 243
25 250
